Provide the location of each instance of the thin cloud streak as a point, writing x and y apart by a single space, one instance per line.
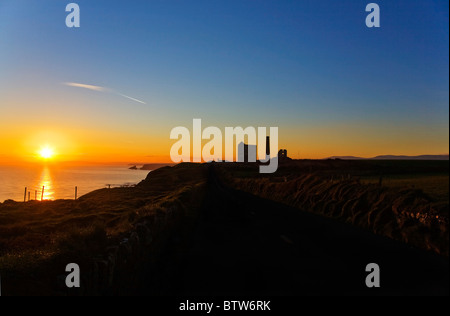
100 89
128 97
86 86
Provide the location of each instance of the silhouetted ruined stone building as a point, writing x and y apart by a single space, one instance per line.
246 153
282 154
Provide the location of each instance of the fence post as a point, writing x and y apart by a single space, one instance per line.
76 193
25 195
42 196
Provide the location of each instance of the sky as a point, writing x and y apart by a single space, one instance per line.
113 89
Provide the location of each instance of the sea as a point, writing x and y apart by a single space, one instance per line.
53 182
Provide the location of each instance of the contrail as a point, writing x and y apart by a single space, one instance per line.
100 89
128 97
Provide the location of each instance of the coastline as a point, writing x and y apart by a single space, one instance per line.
163 215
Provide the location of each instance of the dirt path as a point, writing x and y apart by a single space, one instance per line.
244 245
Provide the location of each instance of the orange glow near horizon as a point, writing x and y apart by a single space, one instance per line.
60 143
28 145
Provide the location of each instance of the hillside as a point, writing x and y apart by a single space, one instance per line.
255 234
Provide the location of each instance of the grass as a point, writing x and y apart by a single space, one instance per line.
411 204
53 227
435 185
35 232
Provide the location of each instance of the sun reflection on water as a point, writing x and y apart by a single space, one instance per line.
45 185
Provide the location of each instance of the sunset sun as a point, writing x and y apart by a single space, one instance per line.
46 153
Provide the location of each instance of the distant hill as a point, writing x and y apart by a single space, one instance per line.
421 157
346 157
394 157
154 166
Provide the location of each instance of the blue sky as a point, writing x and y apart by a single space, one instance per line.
309 67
